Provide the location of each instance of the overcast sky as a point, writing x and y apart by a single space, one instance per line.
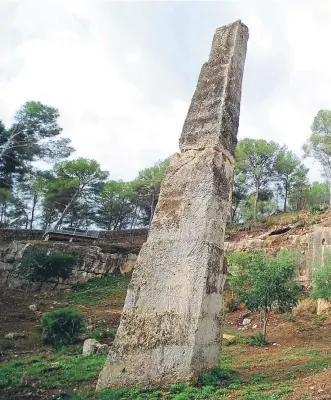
122 73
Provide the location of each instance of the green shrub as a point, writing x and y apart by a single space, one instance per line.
232 305
264 282
42 265
62 327
258 340
322 280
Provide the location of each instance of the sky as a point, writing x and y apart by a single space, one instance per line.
122 74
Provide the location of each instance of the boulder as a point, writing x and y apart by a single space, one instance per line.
247 321
33 307
103 349
229 338
15 335
90 347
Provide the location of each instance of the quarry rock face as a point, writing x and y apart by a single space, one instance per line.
170 329
92 262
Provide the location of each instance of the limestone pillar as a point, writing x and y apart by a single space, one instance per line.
170 329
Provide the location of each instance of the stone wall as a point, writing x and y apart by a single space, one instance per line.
92 263
132 236
8 235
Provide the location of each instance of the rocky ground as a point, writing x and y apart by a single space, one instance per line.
294 365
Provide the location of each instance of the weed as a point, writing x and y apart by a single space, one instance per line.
290 318
258 340
304 329
257 378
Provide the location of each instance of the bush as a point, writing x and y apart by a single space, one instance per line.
322 280
232 305
264 282
62 327
258 340
41 266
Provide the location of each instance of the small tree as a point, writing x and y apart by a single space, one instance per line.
322 280
40 266
264 282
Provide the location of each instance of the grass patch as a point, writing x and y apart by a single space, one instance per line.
106 333
93 291
43 371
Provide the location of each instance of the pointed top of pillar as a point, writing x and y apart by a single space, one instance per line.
213 116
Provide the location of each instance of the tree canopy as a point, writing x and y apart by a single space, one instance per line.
78 193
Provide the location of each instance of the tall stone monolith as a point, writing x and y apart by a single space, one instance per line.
171 323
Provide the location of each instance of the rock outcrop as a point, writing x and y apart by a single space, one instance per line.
92 263
313 243
171 322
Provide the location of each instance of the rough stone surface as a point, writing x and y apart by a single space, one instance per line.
92 263
90 347
103 349
313 244
170 329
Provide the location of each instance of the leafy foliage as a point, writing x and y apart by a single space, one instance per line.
232 305
264 282
256 160
42 265
62 327
33 136
318 144
258 340
322 280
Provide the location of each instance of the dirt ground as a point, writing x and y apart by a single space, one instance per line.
298 353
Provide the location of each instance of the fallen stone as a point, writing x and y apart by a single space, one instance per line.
90 347
33 307
103 349
254 326
15 335
229 338
247 321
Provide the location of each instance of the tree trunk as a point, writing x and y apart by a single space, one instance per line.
6 146
285 198
152 208
67 208
134 217
255 203
35 199
266 320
